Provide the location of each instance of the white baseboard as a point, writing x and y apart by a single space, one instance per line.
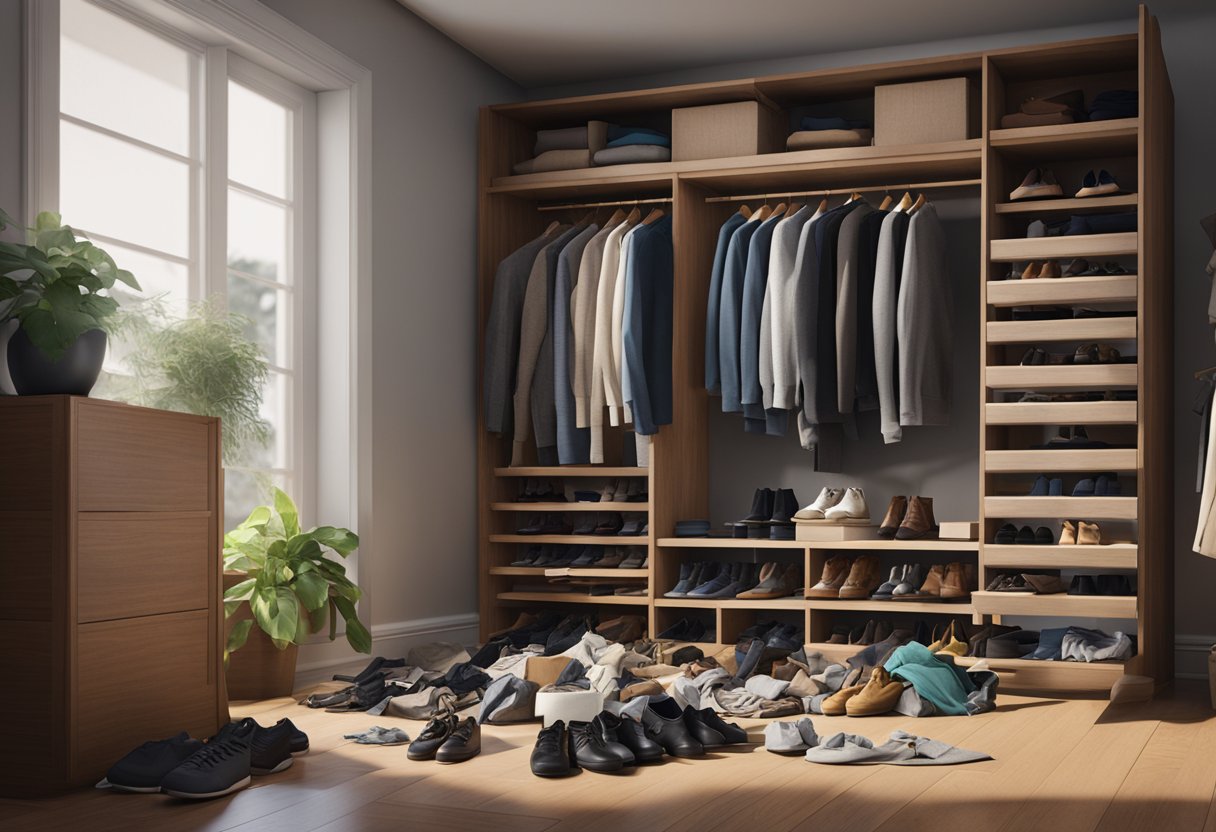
319 661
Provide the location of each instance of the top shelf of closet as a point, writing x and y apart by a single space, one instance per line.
1083 140
843 167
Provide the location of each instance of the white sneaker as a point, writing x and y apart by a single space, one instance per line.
827 498
852 506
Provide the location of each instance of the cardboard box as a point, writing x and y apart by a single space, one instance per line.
833 532
924 112
715 131
568 705
544 670
959 530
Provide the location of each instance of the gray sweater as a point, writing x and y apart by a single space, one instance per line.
925 315
502 332
777 317
573 444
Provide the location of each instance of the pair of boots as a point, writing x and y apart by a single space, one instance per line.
872 632
909 518
772 506
910 582
841 579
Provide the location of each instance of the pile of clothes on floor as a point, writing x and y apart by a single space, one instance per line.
598 143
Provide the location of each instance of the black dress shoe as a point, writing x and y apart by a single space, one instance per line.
463 744
628 733
610 524
433 736
1083 585
762 506
588 749
1006 535
664 723
702 733
1043 536
785 506
1114 585
551 754
610 731
729 731
1025 536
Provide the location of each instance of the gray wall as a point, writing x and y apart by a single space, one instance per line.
11 167
931 460
426 91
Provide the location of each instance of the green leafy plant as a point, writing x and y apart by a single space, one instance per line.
292 588
203 364
56 285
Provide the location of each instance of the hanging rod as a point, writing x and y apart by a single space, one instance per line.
906 186
570 206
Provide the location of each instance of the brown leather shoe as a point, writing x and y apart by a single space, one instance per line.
1050 269
918 523
896 510
864 578
930 588
837 703
835 571
1088 534
623 630
1032 270
776 581
956 585
879 696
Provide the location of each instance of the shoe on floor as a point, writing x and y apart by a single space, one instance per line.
628 732
879 696
433 736
143 769
221 767
551 754
464 743
1036 185
664 723
837 703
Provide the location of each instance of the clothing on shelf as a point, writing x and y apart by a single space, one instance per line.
829 313
815 132
596 143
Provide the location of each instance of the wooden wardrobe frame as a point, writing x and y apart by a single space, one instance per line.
678 471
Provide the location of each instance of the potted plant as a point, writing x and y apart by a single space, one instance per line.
285 584
57 288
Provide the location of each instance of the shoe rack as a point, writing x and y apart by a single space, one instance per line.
513 209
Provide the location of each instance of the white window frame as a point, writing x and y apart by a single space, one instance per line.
336 454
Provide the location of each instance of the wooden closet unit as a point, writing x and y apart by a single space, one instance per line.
110 521
513 209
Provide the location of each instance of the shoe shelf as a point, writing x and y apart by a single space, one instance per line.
727 543
1081 140
1108 556
1088 508
1061 376
1060 413
1068 329
559 507
876 545
1070 205
1113 288
1030 674
1077 245
1088 460
573 539
574 598
572 471
790 603
920 607
572 571
1059 604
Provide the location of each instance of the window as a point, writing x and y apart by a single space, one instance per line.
135 118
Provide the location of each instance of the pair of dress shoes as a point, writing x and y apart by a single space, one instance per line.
447 739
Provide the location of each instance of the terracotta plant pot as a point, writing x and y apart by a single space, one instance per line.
258 670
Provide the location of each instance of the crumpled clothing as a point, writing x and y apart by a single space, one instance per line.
942 683
606 670
439 656
514 665
462 678
424 704
379 736
740 702
572 678
766 687
1085 645
508 699
588 650
696 692
633 659
803 686
902 749
633 709
787 737
655 671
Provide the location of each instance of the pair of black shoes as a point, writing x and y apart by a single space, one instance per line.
772 506
1116 585
546 524
1011 535
685 630
688 732
447 739
607 743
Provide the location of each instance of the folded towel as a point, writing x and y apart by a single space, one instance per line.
632 153
555 160
816 139
617 131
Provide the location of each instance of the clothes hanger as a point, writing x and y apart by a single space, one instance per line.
779 210
793 209
1204 373
920 200
553 226
587 220
633 216
823 204
885 204
745 211
653 217
617 217
765 211
853 197
905 202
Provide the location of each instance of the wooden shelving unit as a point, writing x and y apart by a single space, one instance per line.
678 474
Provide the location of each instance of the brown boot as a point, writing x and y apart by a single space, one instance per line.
1068 533
776 581
930 588
837 703
864 578
957 583
895 515
918 523
1088 534
835 571
879 696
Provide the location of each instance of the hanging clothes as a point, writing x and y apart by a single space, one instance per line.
713 378
865 373
848 268
1205 532
619 412
755 281
925 324
573 443
730 317
888 272
775 323
583 323
647 326
602 350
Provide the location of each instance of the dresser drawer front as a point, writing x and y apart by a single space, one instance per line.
142 460
143 564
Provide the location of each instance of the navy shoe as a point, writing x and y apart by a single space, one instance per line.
143 769
1084 488
1040 487
712 587
221 767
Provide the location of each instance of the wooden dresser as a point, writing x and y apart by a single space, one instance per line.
110 613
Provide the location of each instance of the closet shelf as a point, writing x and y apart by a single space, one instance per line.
1110 556
575 598
1078 245
1064 508
1060 413
559 507
1070 205
579 539
726 543
1074 329
1061 376
563 471
1062 290
574 572
821 545
1028 674
733 603
1082 460
919 607
1059 604
1082 140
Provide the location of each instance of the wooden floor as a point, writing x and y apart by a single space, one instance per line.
1060 764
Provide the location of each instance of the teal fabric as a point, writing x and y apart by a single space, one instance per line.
939 681
641 137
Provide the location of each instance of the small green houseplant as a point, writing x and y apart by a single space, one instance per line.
292 589
58 290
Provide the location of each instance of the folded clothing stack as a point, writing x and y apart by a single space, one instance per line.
815 132
1068 107
692 528
1079 224
1114 104
627 145
566 148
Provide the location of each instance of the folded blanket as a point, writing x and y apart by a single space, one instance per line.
564 138
817 139
641 136
631 154
555 160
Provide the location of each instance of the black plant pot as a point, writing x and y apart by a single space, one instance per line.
73 374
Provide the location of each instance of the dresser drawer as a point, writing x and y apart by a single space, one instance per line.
141 460
143 564
137 680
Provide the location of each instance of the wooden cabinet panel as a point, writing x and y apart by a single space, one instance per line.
29 432
136 680
142 564
25 564
131 459
32 751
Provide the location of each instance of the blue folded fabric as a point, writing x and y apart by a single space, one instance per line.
1114 104
1051 642
616 131
832 123
641 137
1101 223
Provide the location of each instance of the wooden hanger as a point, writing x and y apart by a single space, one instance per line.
793 209
745 211
920 200
823 206
553 226
617 218
588 219
905 202
633 216
763 214
885 204
779 210
653 217
853 197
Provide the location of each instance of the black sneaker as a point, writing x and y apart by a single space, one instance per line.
299 740
220 767
143 769
271 749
